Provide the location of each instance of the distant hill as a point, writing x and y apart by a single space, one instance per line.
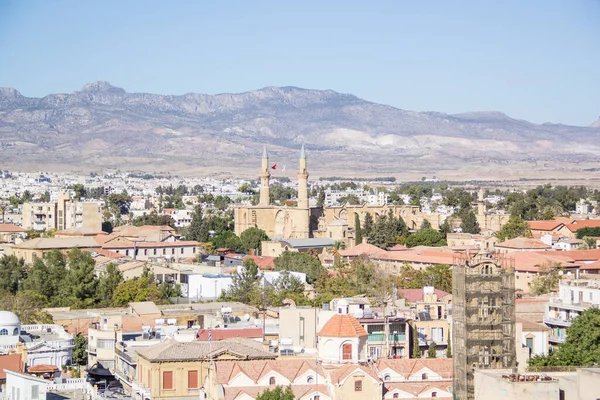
103 126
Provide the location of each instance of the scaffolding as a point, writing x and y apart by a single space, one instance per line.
483 317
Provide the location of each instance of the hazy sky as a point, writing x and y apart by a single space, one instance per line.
536 59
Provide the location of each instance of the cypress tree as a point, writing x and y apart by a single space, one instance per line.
358 236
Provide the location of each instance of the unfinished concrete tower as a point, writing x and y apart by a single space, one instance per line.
483 318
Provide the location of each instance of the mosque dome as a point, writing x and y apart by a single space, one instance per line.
8 318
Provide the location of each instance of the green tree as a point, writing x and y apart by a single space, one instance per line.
143 288
108 282
358 235
168 290
416 350
590 242
321 198
47 277
197 229
80 350
27 305
515 227
588 232
277 393
582 346
387 229
368 228
431 351
425 225
425 237
12 273
469 222
351 199
244 284
79 190
252 238
221 202
154 219
300 262
546 280
226 240
449 349
80 284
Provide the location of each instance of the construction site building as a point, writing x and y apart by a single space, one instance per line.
483 318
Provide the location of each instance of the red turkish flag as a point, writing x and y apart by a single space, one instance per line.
274 166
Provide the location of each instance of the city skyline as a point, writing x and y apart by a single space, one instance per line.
450 58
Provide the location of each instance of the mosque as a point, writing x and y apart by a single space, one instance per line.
41 344
303 221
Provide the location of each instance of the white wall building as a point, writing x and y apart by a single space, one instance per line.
24 387
575 296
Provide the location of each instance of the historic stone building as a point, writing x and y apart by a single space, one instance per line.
302 221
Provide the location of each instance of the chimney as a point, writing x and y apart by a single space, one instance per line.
365 240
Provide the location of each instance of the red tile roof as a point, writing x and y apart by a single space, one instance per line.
583 223
11 362
413 295
109 254
127 244
343 325
409 366
11 228
547 225
263 262
523 243
361 249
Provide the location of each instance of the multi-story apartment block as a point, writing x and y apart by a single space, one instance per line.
62 214
377 198
573 298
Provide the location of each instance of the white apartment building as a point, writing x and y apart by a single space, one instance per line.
376 198
574 297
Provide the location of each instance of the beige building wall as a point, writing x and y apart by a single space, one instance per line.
589 383
347 389
491 386
300 325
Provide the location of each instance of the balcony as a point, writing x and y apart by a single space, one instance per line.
380 337
556 321
556 339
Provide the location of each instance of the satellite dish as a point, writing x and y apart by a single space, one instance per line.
246 317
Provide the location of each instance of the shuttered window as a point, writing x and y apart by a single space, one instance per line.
192 379
167 380
347 351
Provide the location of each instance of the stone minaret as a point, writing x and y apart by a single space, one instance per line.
264 179
480 202
303 181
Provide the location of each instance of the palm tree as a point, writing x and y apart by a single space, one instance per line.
590 242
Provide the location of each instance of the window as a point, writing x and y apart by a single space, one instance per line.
347 351
396 396
164 252
35 392
529 343
433 394
126 252
192 379
167 380
172 251
154 251
387 377
3 332
182 250
16 331
423 377
272 380
145 252
358 386
310 379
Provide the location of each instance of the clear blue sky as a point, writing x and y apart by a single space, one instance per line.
536 59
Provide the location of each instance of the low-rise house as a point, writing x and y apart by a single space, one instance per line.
522 244
354 382
247 379
416 378
32 249
297 330
342 339
147 250
180 370
24 386
10 233
533 339
274 248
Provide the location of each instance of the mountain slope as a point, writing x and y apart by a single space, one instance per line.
103 126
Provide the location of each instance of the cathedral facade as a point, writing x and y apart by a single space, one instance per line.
303 221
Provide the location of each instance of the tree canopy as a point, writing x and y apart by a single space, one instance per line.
515 227
582 346
277 393
300 262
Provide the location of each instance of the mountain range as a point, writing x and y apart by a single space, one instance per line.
104 127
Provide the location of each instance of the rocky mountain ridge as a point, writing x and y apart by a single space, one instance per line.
103 126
